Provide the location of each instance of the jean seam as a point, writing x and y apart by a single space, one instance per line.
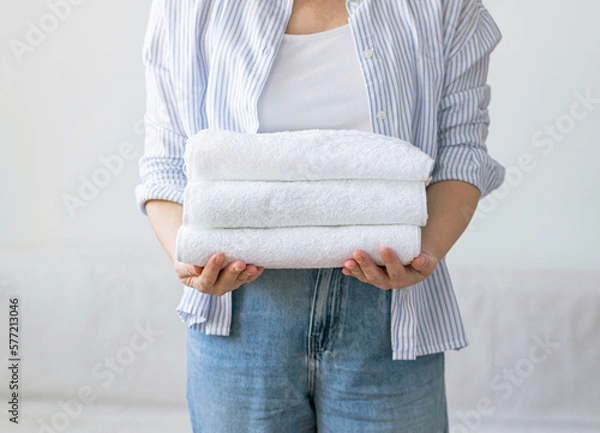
337 314
311 354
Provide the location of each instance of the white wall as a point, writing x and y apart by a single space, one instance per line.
80 95
547 217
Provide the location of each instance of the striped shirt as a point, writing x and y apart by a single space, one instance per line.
425 65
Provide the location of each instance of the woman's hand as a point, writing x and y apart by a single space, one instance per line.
215 278
394 275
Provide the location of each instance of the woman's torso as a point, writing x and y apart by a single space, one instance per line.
219 55
315 81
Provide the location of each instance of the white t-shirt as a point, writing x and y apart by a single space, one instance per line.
315 82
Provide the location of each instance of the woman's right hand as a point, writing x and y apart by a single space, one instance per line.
214 278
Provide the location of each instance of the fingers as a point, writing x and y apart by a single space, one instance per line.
259 271
227 278
353 268
249 274
393 274
249 271
394 267
233 276
367 270
210 273
374 273
215 278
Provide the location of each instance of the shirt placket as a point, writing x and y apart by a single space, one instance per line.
370 62
402 314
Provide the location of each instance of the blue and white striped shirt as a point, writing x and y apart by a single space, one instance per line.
425 64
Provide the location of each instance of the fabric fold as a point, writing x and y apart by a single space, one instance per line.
204 312
403 328
263 204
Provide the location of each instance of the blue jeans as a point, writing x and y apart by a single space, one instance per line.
310 351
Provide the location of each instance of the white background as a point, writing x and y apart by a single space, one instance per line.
79 96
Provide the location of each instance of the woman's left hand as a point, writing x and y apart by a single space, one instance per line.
394 275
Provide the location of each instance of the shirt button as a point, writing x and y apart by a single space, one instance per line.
367 54
381 114
355 3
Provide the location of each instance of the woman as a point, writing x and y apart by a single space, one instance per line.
352 349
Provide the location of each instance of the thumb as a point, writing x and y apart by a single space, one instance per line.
194 270
420 262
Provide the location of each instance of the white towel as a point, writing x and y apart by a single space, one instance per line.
263 204
297 247
315 154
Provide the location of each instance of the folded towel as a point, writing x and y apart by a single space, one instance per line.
297 247
314 154
234 204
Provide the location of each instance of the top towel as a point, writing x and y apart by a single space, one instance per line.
313 154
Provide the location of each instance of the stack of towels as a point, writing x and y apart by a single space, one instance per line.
301 199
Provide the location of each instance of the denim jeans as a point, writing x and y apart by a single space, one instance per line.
310 351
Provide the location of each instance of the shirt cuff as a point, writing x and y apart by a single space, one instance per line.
144 192
468 164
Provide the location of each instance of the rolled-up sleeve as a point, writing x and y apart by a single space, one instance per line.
463 111
161 166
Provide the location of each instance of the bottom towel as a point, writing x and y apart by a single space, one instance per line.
297 247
